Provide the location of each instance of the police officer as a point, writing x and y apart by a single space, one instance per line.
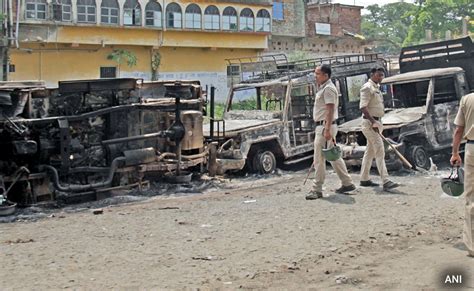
325 114
465 128
371 105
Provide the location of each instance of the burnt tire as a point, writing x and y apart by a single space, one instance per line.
264 162
418 157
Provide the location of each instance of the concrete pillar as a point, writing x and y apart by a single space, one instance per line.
465 21
448 35
428 34
4 63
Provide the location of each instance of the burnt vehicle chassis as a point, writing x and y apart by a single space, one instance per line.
84 138
268 118
421 103
421 124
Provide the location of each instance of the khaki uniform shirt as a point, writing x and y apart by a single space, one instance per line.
327 94
465 116
372 98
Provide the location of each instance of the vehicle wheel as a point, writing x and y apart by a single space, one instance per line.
419 157
265 162
253 163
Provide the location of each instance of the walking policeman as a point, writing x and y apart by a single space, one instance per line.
465 128
325 114
371 105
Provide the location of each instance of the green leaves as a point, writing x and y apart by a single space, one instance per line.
400 24
155 64
121 55
388 25
155 61
439 16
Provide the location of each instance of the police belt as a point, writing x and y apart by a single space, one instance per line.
321 122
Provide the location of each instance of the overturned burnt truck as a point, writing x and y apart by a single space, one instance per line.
81 140
421 103
268 116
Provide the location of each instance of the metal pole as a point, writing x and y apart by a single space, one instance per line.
207 97
213 89
178 151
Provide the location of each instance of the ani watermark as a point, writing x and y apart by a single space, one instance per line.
453 278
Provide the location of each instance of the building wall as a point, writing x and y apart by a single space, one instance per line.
318 46
286 40
293 23
255 6
103 36
328 46
54 51
211 69
55 62
340 17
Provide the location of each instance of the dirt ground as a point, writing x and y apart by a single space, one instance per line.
245 233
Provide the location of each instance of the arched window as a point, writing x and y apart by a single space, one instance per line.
62 10
212 18
193 17
86 11
229 19
35 9
173 16
246 20
153 14
132 13
262 22
109 11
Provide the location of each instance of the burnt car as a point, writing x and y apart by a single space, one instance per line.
421 103
86 137
419 118
264 122
269 118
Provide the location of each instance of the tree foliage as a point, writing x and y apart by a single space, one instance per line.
388 25
399 24
155 65
438 16
121 55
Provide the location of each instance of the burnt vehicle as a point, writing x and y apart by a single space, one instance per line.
84 138
421 105
268 117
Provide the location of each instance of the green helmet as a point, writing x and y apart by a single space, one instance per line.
333 153
453 185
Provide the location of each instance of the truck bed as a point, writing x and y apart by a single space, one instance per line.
450 53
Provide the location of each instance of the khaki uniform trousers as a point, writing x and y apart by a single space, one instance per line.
375 150
320 162
469 192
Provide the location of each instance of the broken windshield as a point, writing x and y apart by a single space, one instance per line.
270 98
414 94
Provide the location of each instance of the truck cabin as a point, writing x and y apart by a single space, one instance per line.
413 89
